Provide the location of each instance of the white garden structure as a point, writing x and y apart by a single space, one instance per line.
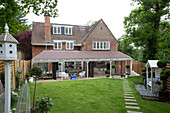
154 68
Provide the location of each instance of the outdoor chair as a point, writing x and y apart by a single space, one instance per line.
82 74
63 75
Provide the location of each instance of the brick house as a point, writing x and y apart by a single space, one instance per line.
64 47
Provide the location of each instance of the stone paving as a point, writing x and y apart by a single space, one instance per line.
130 101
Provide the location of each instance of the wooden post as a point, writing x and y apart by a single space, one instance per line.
110 68
151 80
147 77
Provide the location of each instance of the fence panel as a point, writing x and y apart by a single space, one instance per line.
2 98
24 100
137 66
22 63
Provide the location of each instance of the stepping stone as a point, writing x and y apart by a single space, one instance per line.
129 97
134 112
133 107
130 100
128 94
131 103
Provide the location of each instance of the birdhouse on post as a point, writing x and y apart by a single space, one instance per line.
8 46
8 53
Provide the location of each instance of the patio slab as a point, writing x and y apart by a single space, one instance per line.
132 107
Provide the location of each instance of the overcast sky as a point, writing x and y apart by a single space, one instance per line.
79 12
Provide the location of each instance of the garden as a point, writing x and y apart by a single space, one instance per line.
93 95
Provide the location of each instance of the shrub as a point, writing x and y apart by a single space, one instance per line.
143 70
36 71
122 75
127 66
144 74
2 74
113 66
14 99
107 76
28 74
161 64
167 72
43 104
158 82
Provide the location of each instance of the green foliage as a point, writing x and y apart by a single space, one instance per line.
143 70
28 74
127 66
158 82
36 71
90 23
167 72
113 66
126 47
13 12
107 76
143 25
2 74
14 99
43 105
161 64
144 74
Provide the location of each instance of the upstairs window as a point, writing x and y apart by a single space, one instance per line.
101 45
69 45
68 30
57 45
56 30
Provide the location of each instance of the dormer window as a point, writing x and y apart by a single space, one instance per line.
68 30
56 29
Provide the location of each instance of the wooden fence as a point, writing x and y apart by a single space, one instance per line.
137 66
25 64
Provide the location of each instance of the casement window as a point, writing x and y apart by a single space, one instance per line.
57 45
97 45
69 45
56 29
68 30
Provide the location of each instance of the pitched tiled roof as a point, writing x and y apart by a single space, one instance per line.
38 33
54 56
7 38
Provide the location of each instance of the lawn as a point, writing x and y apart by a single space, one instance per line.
94 95
148 106
84 96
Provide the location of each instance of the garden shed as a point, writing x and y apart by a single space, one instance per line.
154 70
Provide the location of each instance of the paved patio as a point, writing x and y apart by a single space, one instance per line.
78 78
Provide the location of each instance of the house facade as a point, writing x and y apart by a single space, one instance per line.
65 47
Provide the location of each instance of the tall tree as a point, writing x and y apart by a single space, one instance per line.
24 38
13 11
143 25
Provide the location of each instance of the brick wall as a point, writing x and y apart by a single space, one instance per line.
38 49
100 33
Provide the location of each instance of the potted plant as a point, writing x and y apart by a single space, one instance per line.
112 76
122 75
107 76
28 76
127 67
113 67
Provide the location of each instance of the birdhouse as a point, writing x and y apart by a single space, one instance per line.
8 46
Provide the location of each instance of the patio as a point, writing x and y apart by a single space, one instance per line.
78 78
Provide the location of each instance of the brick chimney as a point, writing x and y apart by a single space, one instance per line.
47 28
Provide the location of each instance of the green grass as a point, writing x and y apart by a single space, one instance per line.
148 106
84 96
94 96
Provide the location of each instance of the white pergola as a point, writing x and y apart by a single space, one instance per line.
153 65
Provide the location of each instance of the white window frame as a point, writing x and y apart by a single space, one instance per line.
70 32
100 45
57 44
69 45
57 27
